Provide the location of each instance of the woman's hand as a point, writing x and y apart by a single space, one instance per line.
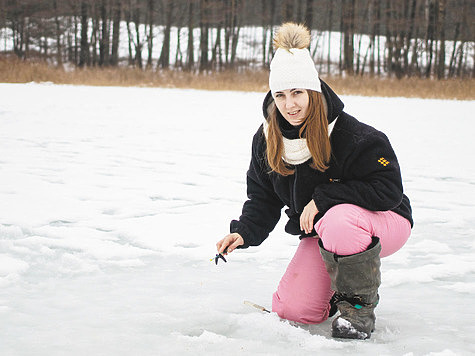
230 241
307 216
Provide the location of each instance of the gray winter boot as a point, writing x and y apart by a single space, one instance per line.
355 280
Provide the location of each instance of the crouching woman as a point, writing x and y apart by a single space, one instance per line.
341 183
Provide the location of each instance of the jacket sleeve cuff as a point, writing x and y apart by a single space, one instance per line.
241 229
320 202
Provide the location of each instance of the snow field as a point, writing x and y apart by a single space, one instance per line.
112 199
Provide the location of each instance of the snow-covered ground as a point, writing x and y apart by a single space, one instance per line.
112 199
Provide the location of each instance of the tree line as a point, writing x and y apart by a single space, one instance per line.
400 38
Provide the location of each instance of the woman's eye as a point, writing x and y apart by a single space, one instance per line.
297 92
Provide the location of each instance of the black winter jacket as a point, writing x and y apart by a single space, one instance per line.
363 170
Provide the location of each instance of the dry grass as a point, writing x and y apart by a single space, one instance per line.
16 71
409 87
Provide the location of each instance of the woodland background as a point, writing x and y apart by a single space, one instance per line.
402 38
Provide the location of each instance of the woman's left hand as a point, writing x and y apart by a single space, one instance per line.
307 216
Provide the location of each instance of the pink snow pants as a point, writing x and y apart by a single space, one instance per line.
304 292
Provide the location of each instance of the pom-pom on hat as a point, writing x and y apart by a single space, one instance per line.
292 65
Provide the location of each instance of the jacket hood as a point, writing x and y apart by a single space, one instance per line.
334 103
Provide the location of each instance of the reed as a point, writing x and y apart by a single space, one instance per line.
17 71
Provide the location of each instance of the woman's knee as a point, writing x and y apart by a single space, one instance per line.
343 231
313 312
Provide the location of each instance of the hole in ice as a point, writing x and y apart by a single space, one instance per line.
187 245
60 222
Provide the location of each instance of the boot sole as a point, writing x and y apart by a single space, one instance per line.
354 335
343 329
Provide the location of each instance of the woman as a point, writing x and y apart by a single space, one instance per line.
341 182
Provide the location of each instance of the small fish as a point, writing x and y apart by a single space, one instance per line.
218 256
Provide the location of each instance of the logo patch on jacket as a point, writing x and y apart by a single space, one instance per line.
383 161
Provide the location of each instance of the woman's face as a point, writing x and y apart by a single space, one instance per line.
292 104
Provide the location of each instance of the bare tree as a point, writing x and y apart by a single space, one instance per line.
133 15
204 34
410 26
74 53
348 22
137 19
430 30
441 37
116 17
190 58
265 24
164 60
309 9
95 34
467 35
104 42
150 21
287 10
59 58
218 19
232 28
15 15
3 19
84 54
330 21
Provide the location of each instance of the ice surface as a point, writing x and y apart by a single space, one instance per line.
112 200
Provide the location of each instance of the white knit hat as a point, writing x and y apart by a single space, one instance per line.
292 65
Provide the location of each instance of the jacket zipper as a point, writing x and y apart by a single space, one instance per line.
294 192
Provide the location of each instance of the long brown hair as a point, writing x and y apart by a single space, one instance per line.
314 129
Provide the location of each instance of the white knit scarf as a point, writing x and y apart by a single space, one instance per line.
296 151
